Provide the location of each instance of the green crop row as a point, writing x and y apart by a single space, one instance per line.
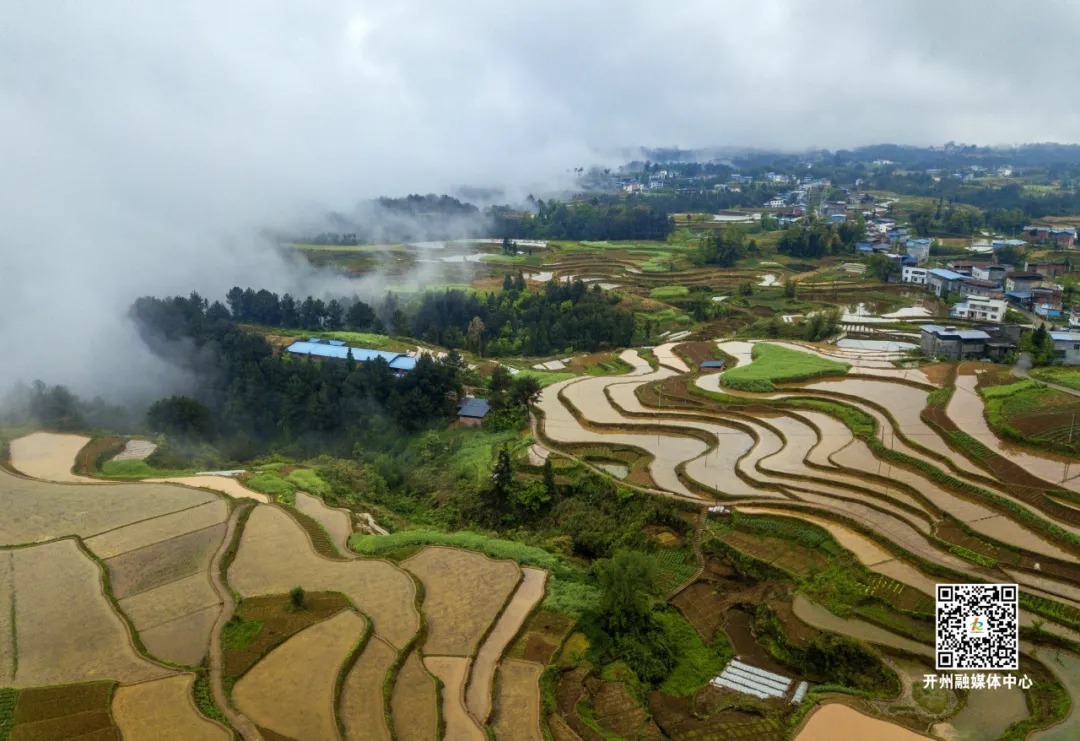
939 476
970 555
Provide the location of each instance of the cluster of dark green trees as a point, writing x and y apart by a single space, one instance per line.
560 317
256 401
583 220
819 238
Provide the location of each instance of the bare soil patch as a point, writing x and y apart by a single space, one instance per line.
541 637
279 623
184 640
157 529
154 565
453 672
463 592
275 555
37 510
413 703
517 706
361 704
291 691
710 715
337 522
67 629
48 456
528 594
616 711
163 710
46 703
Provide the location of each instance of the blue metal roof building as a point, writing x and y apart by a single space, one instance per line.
475 408
338 350
946 274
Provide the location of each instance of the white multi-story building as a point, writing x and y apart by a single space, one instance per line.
980 309
912 274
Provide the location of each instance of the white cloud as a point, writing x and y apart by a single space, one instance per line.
141 144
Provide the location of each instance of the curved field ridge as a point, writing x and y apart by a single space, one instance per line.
275 555
35 511
291 691
517 711
818 617
175 619
67 630
528 594
337 522
453 672
834 721
463 593
162 710
48 456
361 709
140 534
225 484
413 703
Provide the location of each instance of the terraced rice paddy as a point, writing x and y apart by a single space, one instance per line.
67 631
835 721
36 511
453 672
818 617
162 710
527 595
336 522
463 593
414 702
517 714
966 410
47 456
225 484
291 691
361 707
275 555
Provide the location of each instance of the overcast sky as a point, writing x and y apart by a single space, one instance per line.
142 143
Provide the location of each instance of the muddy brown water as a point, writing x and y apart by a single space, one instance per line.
966 410
986 715
836 722
818 617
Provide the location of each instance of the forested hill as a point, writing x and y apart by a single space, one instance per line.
257 401
561 317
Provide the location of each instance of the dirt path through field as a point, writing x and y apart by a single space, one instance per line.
238 720
48 456
528 594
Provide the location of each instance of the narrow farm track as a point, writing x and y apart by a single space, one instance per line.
239 721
